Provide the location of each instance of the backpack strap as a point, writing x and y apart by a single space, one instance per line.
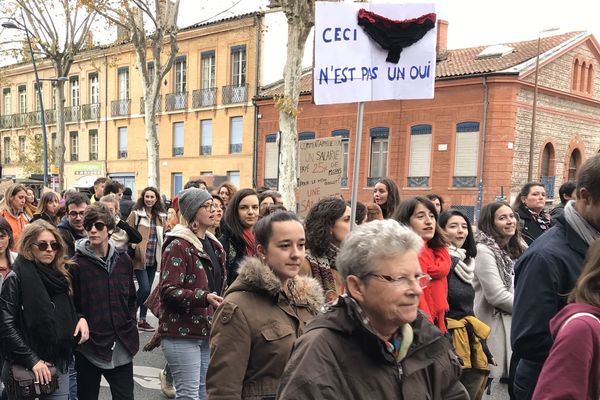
577 315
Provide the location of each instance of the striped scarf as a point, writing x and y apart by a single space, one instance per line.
151 246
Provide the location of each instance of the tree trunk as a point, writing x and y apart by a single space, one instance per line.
59 143
152 144
299 25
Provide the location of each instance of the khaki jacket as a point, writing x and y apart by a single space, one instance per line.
139 220
254 330
339 358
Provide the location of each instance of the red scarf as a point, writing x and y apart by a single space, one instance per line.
250 242
434 300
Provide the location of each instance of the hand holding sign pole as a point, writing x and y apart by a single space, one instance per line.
368 52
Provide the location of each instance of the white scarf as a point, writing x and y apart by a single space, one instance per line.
583 228
464 270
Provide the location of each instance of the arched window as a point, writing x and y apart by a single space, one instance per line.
548 160
575 75
590 79
574 163
583 77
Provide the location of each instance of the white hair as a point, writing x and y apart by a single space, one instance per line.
370 242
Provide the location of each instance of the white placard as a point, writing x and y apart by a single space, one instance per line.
351 67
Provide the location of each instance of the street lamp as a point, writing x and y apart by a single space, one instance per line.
535 90
23 27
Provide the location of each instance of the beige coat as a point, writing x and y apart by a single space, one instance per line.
254 330
139 220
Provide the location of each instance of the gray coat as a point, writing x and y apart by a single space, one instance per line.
493 305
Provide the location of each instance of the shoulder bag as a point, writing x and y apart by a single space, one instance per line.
23 386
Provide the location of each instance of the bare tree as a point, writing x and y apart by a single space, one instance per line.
300 16
160 16
59 29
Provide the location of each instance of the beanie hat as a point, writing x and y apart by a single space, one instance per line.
190 201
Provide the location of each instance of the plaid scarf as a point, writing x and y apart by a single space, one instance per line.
151 246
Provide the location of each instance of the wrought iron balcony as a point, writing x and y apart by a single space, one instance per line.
72 114
122 154
93 156
74 157
418 181
372 180
143 105
176 101
177 151
235 94
271 183
120 108
464 181
235 148
204 97
50 116
6 121
20 120
34 118
205 150
90 111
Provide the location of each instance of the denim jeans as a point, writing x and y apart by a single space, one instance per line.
72 380
188 359
145 278
62 393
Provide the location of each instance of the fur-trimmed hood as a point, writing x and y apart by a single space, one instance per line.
254 276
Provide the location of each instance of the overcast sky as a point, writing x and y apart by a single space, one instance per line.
471 22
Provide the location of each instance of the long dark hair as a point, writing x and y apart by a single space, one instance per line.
469 244
7 230
319 222
406 210
157 208
393 198
232 225
487 225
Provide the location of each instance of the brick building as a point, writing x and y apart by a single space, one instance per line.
483 95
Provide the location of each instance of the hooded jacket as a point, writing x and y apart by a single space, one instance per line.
69 235
104 295
339 358
572 370
254 330
185 284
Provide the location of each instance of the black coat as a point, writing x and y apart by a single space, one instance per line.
125 205
529 227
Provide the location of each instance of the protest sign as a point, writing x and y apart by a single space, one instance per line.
320 170
350 65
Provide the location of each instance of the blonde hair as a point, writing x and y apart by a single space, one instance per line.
30 235
9 194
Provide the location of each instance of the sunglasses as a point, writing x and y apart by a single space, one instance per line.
43 246
98 225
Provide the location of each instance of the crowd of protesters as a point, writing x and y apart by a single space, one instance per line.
254 303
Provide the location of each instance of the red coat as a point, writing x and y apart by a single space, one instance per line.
434 301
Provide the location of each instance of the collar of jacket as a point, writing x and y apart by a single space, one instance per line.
427 341
142 213
183 232
255 276
574 241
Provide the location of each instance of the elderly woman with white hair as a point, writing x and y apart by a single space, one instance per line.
374 343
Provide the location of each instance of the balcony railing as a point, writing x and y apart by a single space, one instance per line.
464 181
204 97
235 94
120 108
122 154
235 148
90 111
418 181
74 157
271 183
177 151
20 120
372 180
176 101
206 150
548 182
93 156
34 118
143 105
50 117
6 121
72 114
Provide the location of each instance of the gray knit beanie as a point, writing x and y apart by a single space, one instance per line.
190 201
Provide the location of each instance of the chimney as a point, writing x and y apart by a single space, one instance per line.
441 47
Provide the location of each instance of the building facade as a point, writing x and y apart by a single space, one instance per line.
470 144
205 120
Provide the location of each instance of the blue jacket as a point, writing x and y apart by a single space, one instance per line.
544 276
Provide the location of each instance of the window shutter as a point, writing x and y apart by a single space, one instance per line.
236 130
466 150
271 157
207 132
420 151
178 135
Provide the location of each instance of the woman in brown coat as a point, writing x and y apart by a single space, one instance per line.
263 313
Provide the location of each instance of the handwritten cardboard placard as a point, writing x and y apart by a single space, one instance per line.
320 170
350 67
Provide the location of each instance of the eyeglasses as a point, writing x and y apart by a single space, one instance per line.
422 280
208 206
76 214
98 225
43 246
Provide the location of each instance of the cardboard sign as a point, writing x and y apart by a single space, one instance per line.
320 171
351 67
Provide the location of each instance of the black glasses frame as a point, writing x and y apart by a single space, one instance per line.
99 225
43 246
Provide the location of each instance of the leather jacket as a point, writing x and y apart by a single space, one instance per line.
14 339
